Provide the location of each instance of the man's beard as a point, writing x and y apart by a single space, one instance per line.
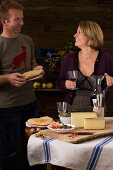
17 30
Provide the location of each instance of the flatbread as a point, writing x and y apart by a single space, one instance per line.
33 73
42 121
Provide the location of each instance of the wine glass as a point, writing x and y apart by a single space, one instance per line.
62 108
96 81
72 75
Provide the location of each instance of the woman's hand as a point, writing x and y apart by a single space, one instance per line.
109 79
71 85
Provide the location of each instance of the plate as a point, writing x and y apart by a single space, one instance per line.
34 78
58 130
32 126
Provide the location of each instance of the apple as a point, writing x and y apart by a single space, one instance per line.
36 85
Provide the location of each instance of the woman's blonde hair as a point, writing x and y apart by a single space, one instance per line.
94 33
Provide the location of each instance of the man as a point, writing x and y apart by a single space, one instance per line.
17 98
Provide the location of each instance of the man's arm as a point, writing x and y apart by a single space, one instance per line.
35 66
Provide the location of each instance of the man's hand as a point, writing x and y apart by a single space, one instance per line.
16 79
39 68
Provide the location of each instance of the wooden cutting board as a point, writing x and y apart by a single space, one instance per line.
78 135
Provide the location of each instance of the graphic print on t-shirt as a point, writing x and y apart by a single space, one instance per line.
19 59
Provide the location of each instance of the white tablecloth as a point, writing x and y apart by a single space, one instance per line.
91 155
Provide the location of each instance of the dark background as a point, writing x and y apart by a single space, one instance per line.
52 23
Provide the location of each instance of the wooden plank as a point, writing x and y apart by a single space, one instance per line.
79 135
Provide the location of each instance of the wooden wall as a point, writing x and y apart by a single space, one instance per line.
52 23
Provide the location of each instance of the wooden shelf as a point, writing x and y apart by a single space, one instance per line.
48 90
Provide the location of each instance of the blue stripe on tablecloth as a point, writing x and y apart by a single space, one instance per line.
96 153
46 147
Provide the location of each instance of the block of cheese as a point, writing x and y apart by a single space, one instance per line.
77 118
94 123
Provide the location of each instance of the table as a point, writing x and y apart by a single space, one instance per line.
96 154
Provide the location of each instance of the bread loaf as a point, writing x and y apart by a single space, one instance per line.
31 74
42 121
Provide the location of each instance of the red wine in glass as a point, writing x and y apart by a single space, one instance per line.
72 75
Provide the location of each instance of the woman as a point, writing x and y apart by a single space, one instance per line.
88 60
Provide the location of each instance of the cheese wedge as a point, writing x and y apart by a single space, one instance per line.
94 123
77 118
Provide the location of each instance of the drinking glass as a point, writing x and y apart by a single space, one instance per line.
96 81
72 75
61 107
